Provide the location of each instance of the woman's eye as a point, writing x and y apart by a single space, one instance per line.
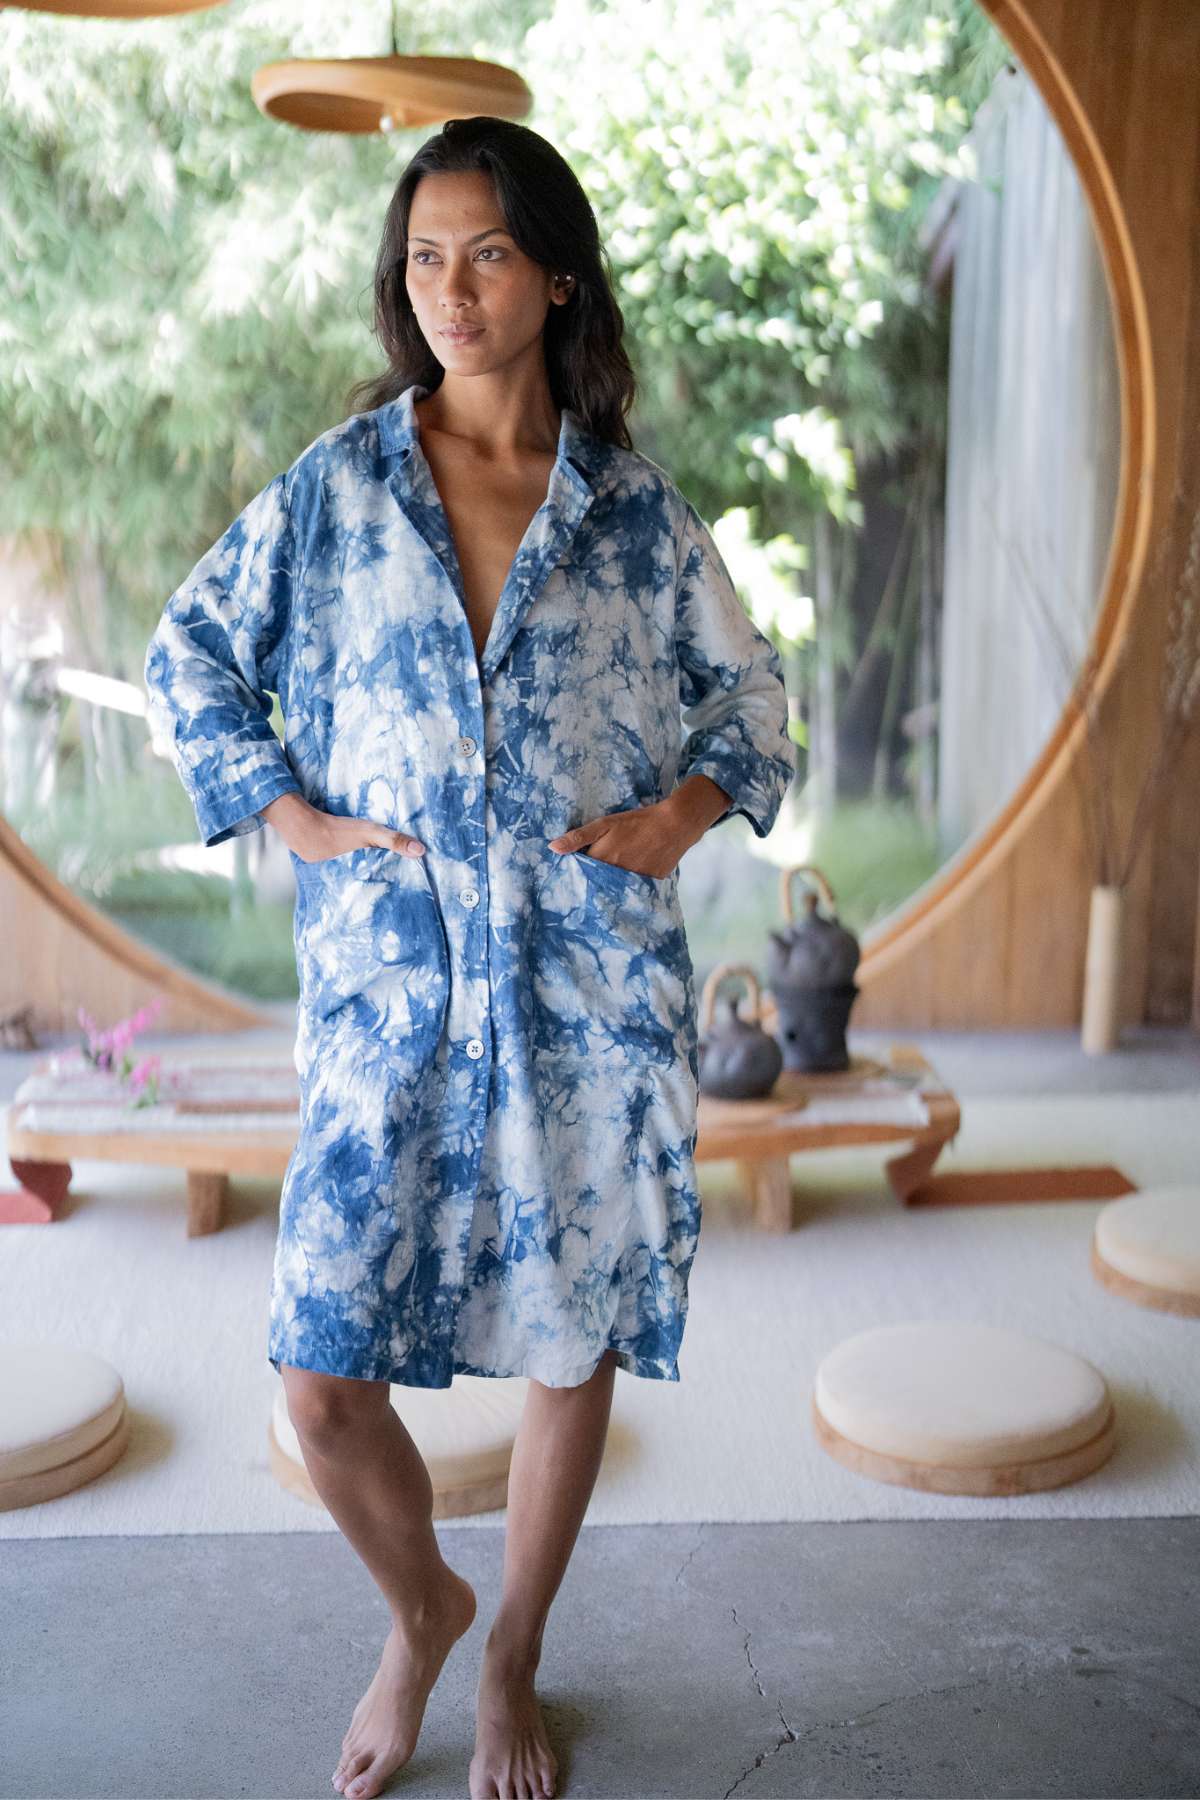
487 248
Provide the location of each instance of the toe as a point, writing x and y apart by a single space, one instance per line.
351 1762
363 1783
356 1776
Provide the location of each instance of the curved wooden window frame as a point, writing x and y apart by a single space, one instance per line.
960 877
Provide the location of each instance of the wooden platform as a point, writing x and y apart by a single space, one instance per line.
241 1118
192 1130
195 1130
759 1134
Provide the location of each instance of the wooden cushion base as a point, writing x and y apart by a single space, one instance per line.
464 1432
1146 1248
63 1421
956 1408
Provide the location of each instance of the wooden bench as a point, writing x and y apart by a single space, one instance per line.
229 1118
872 1102
220 1117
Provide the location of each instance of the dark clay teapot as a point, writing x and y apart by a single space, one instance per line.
811 964
739 1060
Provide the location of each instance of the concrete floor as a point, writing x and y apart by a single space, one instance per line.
1001 1658
1004 1658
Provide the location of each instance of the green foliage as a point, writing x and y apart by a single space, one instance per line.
185 284
762 177
875 857
87 836
257 959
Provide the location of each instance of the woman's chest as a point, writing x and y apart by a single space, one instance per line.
398 586
388 667
489 515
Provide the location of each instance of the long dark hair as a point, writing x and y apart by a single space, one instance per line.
551 218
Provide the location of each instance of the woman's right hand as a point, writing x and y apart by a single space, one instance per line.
315 836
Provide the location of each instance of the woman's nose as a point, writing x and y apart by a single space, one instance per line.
456 289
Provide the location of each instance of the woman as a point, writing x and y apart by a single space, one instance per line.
489 621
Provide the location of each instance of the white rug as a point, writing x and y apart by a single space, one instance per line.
185 1322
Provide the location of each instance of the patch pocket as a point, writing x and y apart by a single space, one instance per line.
620 880
371 947
617 899
609 964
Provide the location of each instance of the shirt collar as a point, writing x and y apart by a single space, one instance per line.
399 431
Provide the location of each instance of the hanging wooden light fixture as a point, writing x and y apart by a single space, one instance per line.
117 9
386 93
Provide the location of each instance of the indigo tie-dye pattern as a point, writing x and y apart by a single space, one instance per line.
496 1042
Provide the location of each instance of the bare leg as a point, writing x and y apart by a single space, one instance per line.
370 1474
556 1458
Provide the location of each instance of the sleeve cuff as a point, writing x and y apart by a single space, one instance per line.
234 812
757 785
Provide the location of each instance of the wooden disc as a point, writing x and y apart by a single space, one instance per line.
1169 1300
65 1477
448 1503
358 93
119 9
1001 1481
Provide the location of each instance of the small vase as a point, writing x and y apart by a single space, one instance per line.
1102 972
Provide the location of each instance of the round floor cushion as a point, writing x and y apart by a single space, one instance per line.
63 1421
962 1409
1146 1247
464 1432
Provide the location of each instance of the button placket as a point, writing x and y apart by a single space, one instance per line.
470 896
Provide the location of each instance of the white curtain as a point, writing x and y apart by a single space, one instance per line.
1033 453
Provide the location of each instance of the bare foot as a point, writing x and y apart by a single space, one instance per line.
513 1759
387 1720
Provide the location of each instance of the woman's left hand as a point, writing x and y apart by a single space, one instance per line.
649 840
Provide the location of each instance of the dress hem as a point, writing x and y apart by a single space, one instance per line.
647 1367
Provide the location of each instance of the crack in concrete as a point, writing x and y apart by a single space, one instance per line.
789 1736
687 1559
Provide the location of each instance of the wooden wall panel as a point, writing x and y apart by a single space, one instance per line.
1173 932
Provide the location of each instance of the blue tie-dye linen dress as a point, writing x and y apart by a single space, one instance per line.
496 1041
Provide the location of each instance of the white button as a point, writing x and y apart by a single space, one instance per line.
469 897
466 745
475 1048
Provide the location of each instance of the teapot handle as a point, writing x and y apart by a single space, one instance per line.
723 972
810 899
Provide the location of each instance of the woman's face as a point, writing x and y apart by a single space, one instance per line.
464 267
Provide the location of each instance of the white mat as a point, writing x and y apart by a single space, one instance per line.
185 1322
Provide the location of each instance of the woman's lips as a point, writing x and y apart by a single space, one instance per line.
457 335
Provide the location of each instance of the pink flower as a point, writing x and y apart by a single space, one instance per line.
146 1014
144 1071
106 1049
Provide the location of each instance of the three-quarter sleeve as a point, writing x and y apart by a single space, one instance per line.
218 648
731 686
